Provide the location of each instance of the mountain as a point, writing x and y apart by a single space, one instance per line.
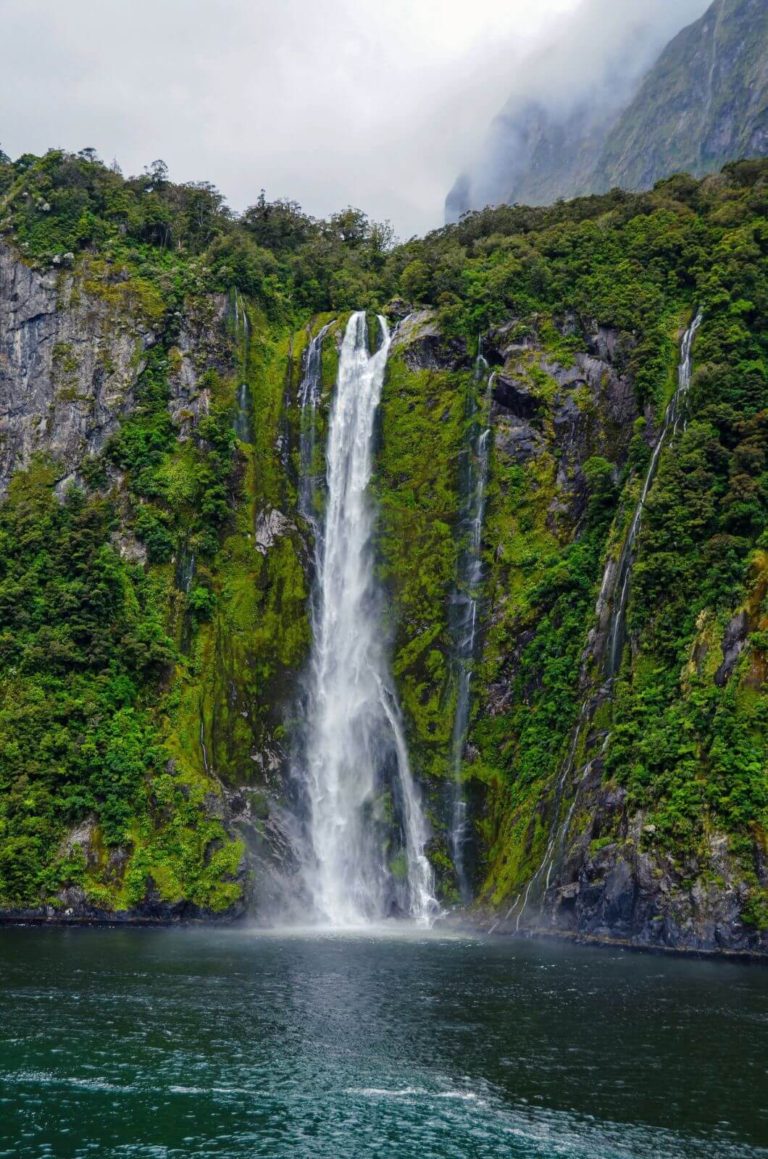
590 493
705 102
535 156
702 103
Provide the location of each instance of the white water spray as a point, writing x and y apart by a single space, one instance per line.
357 870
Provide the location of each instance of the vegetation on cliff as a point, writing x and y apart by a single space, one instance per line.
136 695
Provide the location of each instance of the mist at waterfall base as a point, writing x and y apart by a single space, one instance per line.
129 1044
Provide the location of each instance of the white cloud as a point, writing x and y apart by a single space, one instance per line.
327 102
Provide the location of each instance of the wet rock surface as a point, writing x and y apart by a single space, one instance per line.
68 367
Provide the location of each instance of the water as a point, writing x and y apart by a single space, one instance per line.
671 418
162 1044
242 424
186 566
466 608
366 828
309 400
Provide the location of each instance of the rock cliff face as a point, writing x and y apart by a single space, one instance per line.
68 366
155 616
703 102
72 349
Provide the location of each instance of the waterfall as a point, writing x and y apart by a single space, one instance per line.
242 424
671 417
474 486
559 830
309 400
186 566
366 855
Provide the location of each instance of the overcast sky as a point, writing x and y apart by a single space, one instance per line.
373 103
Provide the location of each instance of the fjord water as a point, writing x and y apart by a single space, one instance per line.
354 749
162 1044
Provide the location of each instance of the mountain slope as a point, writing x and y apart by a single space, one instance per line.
704 103
156 558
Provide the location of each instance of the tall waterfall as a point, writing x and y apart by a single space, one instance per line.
466 607
671 418
367 831
242 422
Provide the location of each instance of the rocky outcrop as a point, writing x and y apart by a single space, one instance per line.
202 345
581 409
68 367
72 350
628 890
424 345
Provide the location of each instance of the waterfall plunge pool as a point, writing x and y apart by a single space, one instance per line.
396 1042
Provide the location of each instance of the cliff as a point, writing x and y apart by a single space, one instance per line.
705 102
157 559
699 104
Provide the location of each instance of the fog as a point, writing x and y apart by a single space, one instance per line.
327 102
594 59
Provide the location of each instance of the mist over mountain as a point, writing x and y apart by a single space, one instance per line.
704 103
599 106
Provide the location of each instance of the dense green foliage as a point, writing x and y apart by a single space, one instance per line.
131 692
82 641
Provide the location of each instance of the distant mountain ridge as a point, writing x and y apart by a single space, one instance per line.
703 102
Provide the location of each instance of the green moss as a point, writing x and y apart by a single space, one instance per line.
417 485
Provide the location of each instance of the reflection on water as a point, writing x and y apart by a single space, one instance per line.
392 1043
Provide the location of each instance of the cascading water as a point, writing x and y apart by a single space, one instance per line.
242 422
465 610
354 746
617 623
309 401
559 830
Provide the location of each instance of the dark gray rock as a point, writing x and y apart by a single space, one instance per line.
68 367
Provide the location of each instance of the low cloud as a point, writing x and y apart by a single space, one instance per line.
327 102
594 58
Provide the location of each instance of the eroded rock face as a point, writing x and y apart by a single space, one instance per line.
201 345
424 345
574 411
70 360
626 891
68 367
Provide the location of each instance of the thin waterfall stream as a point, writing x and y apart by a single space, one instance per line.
616 632
466 609
309 402
617 625
242 424
366 828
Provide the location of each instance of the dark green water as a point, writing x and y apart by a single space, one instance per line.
145 1043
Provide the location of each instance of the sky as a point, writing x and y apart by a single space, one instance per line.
373 103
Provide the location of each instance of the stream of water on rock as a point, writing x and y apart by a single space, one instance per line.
616 629
616 581
366 829
466 607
